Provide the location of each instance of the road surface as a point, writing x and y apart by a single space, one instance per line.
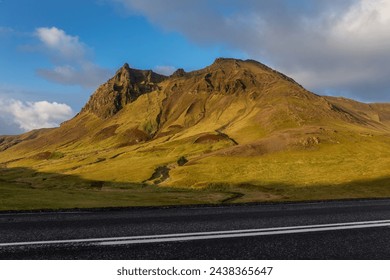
318 230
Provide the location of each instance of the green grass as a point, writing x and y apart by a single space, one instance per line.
57 155
279 192
32 196
357 168
21 196
327 164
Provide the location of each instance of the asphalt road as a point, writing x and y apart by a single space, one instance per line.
321 230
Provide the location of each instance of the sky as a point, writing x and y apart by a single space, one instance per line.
54 54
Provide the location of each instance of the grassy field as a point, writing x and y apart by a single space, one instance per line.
21 196
349 170
357 167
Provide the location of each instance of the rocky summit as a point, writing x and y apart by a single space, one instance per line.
125 87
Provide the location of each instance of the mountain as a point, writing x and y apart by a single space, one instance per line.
234 122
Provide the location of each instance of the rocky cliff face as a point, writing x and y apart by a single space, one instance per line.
125 87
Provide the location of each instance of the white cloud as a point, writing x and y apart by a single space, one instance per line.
164 70
33 115
339 45
62 44
70 57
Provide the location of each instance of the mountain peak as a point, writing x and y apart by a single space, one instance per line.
125 87
225 76
223 62
225 59
179 73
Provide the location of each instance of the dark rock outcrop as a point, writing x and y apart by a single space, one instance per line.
125 87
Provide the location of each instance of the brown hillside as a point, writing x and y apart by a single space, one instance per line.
244 99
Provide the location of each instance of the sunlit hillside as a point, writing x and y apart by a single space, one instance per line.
236 131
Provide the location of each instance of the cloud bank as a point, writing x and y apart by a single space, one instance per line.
70 56
339 46
32 115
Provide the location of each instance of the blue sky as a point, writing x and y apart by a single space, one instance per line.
53 54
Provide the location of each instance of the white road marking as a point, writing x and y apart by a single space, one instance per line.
245 233
207 235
